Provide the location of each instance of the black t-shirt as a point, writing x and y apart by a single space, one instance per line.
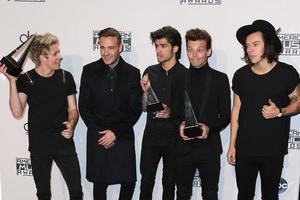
256 135
47 109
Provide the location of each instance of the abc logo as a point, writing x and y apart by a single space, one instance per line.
23 37
25 126
283 186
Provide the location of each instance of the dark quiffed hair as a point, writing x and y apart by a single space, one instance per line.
198 34
270 51
110 32
172 36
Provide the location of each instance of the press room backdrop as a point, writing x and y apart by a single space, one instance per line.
77 22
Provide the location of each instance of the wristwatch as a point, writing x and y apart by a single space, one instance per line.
280 113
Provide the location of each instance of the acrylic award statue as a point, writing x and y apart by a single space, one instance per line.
15 61
192 128
153 103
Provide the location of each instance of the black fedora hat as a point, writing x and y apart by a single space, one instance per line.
263 26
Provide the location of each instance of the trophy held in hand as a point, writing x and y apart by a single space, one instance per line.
15 61
153 103
192 128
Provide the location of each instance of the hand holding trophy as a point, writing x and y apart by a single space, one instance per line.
3 70
15 61
153 103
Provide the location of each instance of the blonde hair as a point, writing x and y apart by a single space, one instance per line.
41 46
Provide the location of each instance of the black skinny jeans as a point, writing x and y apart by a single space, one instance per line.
209 172
69 167
158 142
126 191
247 168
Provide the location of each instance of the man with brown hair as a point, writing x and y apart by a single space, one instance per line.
110 105
209 93
266 92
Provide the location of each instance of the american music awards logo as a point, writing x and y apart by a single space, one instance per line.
290 44
200 2
196 181
283 186
23 167
294 139
126 40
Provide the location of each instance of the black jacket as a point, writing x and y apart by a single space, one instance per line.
116 106
211 88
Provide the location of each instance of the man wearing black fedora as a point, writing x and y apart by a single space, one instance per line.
266 92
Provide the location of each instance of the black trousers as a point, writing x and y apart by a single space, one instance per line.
69 167
209 172
247 169
158 143
126 191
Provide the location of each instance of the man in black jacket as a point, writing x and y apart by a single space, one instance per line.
209 93
161 130
110 105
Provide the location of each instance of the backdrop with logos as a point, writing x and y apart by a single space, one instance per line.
77 23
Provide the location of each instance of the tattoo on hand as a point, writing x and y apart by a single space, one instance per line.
294 98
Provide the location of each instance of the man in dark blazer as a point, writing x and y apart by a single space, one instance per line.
209 94
110 105
161 131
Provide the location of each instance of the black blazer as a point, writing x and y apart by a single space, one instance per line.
214 112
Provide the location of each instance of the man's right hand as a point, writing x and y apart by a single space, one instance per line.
145 83
181 132
231 155
3 69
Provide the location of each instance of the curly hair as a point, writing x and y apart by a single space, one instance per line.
269 52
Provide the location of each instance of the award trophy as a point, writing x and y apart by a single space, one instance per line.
15 61
192 128
153 104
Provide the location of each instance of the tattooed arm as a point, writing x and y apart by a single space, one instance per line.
144 101
271 110
145 83
294 107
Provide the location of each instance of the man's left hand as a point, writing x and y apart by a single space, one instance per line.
165 113
108 138
68 132
205 131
